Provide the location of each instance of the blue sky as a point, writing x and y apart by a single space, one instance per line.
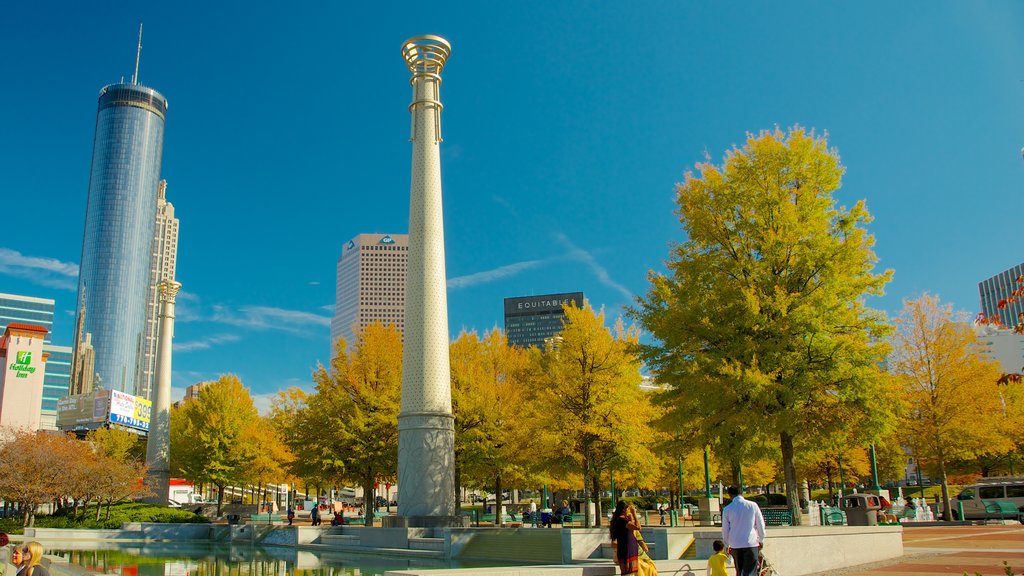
566 126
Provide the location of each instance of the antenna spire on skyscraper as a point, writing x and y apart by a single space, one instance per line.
138 54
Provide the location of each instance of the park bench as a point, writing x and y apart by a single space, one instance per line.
1001 509
831 516
265 517
777 516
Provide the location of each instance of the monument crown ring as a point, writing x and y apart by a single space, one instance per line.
426 54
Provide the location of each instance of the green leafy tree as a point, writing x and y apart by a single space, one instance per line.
118 445
212 437
353 417
589 392
761 325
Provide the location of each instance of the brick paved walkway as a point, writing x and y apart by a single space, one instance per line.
955 550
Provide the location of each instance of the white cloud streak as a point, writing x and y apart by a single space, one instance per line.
48 272
498 273
581 255
206 343
268 318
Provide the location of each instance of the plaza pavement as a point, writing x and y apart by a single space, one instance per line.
952 550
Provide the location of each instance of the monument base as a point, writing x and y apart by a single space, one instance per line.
425 522
708 508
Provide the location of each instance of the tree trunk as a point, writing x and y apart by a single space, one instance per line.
220 498
586 478
499 518
369 501
99 508
109 503
789 471
458 487
947 508
596 481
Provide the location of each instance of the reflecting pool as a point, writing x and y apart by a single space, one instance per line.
191 559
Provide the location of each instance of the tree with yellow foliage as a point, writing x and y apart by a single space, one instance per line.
212 438
949 385
491 392
761 323
596 418
352 419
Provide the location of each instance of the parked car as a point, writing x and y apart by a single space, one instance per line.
972 497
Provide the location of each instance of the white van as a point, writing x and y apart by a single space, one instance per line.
1000 488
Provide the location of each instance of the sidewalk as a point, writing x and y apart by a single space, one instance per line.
953 550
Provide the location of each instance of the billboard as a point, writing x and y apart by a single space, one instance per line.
128 410
83 410
94 409
547 304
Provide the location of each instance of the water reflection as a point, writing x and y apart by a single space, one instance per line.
188 559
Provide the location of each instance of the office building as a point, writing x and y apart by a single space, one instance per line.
530 320
192 392
29 310
1002 345
114 280
163 261
370 285
17 309
998 288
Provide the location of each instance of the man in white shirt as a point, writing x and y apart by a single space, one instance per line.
743 532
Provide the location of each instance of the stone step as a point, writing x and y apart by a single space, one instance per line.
426 544
339 540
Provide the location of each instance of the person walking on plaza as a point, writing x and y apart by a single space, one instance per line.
743 532
627 549
314 515
718 561
661 514
291 514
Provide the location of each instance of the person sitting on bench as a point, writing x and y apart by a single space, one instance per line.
563 514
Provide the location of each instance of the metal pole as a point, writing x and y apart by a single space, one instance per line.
680 481
842 481
707 474
613 487
920 483
874 469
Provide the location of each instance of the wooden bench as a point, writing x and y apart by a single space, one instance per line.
1001 509
777 516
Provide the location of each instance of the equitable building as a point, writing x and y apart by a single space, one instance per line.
530 320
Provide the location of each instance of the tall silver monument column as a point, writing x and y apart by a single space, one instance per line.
158 444
426 427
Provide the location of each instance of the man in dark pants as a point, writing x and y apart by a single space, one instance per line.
743 532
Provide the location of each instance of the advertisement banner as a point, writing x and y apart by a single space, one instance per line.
128 410
83 409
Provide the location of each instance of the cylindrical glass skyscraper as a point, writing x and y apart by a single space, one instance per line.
119 221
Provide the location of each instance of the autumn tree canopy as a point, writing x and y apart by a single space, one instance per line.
761 323
596 417
214 437
950 386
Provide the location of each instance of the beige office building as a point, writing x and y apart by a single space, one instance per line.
162 265
370 284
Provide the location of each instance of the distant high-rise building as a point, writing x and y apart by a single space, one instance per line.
530 320
997 288
192 392
370 284
16 309
162 265
114 280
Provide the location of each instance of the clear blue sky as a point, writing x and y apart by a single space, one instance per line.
566 125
